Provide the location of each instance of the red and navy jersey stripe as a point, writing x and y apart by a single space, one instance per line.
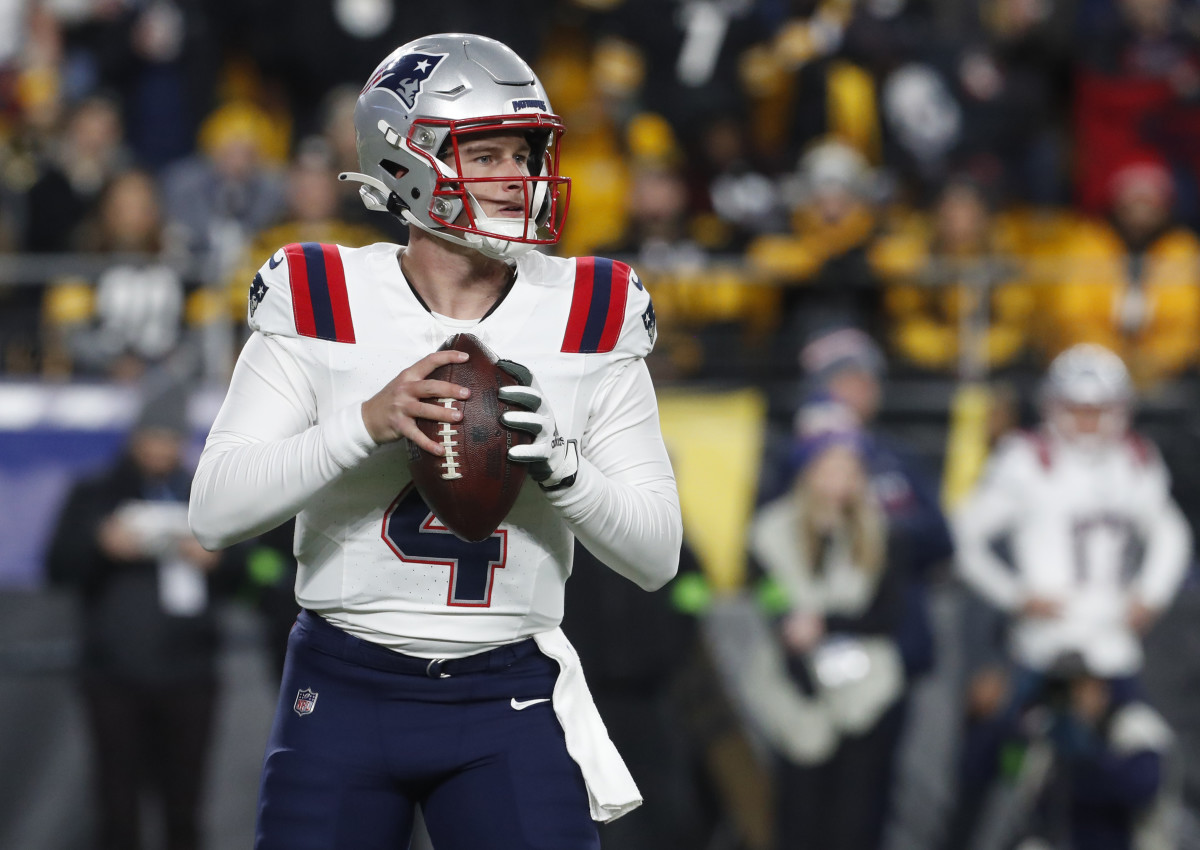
598 306
319 301
1143 450
1041 447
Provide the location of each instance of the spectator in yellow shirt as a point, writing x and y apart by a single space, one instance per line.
957 297
1131 283
821 265
312 216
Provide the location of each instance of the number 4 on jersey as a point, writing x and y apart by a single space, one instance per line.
417 537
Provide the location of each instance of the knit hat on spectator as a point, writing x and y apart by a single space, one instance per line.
1148 174
165 409
806 449
839 349
833 164
820 424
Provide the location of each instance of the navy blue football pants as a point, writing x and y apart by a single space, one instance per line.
362 734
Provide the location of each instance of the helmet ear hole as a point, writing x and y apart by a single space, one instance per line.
393 168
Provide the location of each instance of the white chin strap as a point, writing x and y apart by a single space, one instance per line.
497 249
375 192
514 228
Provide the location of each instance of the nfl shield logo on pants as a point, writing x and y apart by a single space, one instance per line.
306 701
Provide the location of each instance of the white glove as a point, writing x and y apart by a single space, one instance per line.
553 461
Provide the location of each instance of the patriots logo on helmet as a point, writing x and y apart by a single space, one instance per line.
404 76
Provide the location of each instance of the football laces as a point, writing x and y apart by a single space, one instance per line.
447 434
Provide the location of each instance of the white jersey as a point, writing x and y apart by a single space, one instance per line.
1093 531
333 326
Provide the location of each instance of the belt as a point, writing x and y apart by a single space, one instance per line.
330 639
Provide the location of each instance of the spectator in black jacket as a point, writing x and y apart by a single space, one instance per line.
639 649
149 637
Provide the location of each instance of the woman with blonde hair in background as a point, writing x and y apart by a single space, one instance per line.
831 706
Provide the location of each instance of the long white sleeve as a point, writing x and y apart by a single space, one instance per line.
266 455
624 505
1168 541
988 512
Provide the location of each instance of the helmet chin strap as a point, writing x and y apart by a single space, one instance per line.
375 193
497 249
524 228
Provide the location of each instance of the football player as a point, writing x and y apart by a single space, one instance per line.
1076 496
424 669
1097 548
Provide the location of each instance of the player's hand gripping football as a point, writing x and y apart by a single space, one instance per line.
392 412
553 461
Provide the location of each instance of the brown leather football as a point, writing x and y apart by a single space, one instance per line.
474 485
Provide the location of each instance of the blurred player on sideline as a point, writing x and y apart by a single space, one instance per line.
424 669
1097 547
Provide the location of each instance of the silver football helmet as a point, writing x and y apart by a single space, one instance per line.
410 117
1088 377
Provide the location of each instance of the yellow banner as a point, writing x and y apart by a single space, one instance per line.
715 441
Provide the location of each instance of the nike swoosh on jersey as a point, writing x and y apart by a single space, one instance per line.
519 705
272 263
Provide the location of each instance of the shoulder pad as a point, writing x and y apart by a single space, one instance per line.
1017 456
610 308
1040 445
1143 452
1033 447
301 291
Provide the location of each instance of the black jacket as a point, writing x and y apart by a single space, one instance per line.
125 632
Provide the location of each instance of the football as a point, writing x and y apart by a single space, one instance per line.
473 486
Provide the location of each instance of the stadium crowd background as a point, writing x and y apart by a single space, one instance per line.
976 184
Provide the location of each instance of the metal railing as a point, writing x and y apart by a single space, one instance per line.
214 342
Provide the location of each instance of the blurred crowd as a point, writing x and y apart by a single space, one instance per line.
978 185
819 194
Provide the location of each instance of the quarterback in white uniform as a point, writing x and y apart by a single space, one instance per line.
456 138
1078 499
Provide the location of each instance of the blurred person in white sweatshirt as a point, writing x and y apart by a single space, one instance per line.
1072 534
